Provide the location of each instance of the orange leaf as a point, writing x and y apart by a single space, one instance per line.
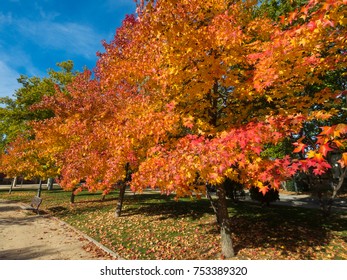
338 143
341 128
324 149
264 190
327 130
299 147
343 160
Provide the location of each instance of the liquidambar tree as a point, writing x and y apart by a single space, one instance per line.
236 82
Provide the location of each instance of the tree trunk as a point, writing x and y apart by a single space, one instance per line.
340 183
39 189
224 222
213 203
72 197
295 184
50 184
13 184
122 190
120 200
284 185
335 188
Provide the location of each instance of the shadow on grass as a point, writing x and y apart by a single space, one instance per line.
287 230
165 207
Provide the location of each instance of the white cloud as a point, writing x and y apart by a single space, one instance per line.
70 37
10 61
50 36
8 80
51 15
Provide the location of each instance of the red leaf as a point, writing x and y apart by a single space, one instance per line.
324 149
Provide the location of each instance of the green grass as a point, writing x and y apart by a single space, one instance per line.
154 226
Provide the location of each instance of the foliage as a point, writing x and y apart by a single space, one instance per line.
23 158
21 154
328 151
17 112
277 8
264 70
202 89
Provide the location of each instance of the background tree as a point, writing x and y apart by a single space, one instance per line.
94 134
18 113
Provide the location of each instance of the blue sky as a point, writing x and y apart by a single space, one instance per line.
35 35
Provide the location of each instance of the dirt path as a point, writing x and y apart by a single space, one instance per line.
27 236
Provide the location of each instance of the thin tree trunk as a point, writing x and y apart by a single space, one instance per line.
39 189
122 191
295 185
120 200
213 204
284 185
224 222
50 184
72 197
339 184
13 184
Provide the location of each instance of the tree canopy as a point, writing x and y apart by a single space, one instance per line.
193 91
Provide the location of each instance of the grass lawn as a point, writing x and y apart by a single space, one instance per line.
155 226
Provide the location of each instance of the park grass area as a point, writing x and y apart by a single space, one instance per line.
154 226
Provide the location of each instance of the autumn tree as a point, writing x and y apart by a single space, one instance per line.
197 91
236 82
24 158
333 80
18 114
93 134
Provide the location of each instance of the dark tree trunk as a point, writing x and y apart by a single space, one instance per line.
13 184
39 189
120 200
224 223
222 217
213 203
122 191
72 198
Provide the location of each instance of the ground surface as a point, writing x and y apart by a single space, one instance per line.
27 236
